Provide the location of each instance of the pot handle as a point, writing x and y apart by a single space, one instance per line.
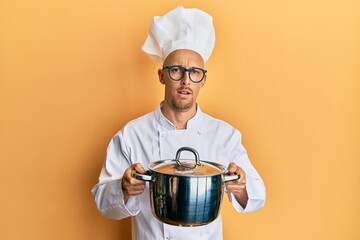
143 177
196 154
231 177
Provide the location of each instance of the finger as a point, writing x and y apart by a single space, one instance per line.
138 167
136 189
241 180
133 192
136 182
133 186
235 184
235 188
128 181
232 168
240 171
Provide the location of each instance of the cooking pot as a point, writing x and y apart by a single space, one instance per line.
183 193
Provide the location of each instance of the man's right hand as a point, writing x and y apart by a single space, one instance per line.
130 185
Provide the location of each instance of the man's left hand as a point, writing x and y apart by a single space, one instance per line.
237 187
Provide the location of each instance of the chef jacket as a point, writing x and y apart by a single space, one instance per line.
153 137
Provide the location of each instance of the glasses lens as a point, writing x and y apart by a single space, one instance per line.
176 73
196 74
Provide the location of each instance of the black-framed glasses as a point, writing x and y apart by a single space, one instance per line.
176 73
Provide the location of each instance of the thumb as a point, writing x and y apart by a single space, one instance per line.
138 167
232 168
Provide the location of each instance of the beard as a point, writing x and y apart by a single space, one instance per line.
180 106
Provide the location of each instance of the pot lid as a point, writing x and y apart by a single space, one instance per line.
173 167
183 167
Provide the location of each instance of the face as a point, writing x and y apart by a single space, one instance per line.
181 95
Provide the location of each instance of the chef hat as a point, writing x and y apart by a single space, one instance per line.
180 28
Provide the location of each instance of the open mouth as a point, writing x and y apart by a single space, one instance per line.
184 91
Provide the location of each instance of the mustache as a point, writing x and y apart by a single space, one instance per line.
184 89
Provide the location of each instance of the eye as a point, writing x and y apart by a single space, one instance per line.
175 70
196 71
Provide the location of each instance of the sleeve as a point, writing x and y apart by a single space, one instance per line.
254 184
108 193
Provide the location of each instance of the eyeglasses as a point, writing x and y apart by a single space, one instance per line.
176 73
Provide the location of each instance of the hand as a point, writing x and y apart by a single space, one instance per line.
237 187
130 185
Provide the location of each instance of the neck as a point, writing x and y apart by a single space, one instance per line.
176 117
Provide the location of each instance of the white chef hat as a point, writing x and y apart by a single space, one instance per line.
181 28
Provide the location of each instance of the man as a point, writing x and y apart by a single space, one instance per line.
182 40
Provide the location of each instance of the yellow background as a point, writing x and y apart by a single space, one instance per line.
286 73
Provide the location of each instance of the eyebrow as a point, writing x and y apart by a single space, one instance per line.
176 65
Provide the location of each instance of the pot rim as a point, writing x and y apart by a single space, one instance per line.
154 165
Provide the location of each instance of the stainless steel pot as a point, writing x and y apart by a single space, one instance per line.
185 194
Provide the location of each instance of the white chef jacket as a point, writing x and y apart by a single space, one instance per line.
152 137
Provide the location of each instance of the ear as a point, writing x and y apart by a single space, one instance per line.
161 76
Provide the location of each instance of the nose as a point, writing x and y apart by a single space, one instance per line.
186 79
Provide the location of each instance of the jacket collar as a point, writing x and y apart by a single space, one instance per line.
167 125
